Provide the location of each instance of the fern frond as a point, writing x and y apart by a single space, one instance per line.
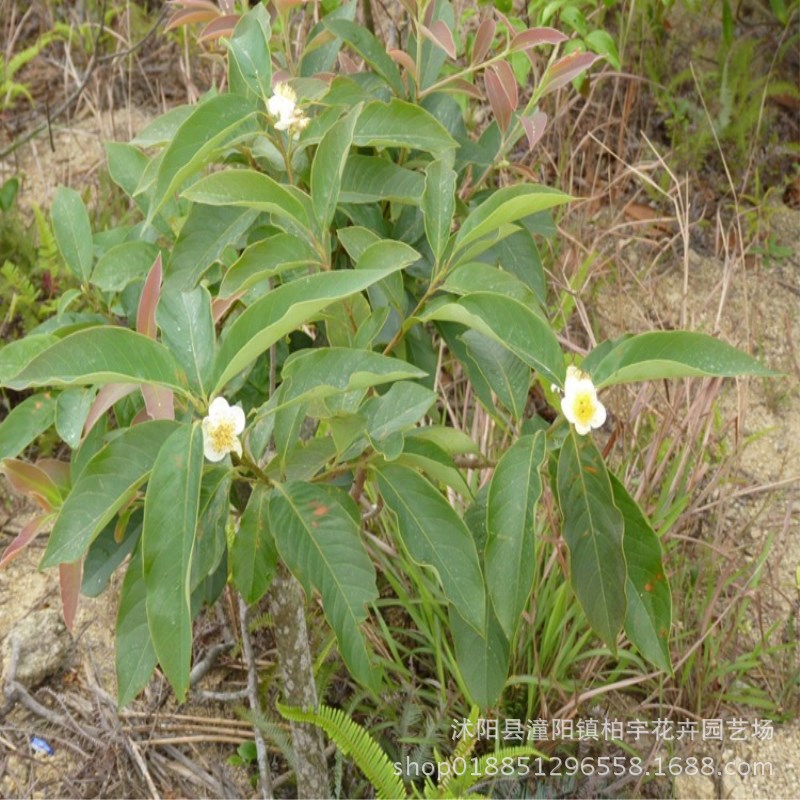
354 741
465 746
272 731
461 784
19 282
47 253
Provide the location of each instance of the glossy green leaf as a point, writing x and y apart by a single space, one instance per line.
101 355
316 529
280 312
328 166
246 188
187 329
253 555
316 373
511 324
16 355
249 58
669 354
321 49
401 124
505 206
163 128
483 657
170 518
434 461
649 616
514 493
211 125
106 553
439 205
370 179
107 482
135 656
211 543
123 264
593 529
26 421
476 276
72 231
266 258
205 234
370 49
72 410
435 536
32 481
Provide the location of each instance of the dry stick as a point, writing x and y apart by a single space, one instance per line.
252 696
286 604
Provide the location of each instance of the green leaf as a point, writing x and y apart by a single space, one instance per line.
246 188
438 205
593 529
249 58
649 616
314 374
187 329
72 410
16 355
602 43
106 552
135 656
265 259
483 658
401 124
316 529
254 558
508 377
211 543
211 125
107 482
505 206
101 355
208 230
371 179
170 517
123 264
387 254
435 536
423 454
669 354
162 129
27 420
328 165
510 323
72 231
518 255
476 276
280 312
370 49
514 492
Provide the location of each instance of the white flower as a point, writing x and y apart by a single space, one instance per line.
221 429
580 404
283 106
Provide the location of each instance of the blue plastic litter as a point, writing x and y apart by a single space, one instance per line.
41 746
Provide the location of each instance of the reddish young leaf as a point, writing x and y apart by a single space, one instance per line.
483 40
459 85
159 401
510 29
70 576
146 315
189 16
106 397
441 36
57 471
25 537
534 127
429 14
222 26
501 86
221 305
405 60
207 4
565 69
536 36
33 482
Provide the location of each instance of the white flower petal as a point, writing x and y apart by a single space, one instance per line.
566 408
599 417
582 430
236 416
218 409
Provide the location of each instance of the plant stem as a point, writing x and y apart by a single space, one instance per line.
286 604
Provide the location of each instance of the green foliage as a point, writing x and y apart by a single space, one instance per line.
270 360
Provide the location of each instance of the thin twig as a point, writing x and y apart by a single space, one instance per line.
255 706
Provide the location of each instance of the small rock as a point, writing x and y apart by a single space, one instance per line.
43 646
693 787
732 786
